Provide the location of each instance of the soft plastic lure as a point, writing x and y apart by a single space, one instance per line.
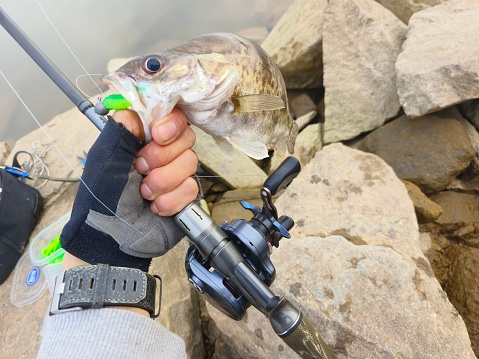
116 102
111 102
51 248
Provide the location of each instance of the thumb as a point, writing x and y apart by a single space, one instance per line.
131 121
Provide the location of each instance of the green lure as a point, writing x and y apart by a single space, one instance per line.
52 247
116 102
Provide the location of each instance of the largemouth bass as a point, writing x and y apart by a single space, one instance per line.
225 84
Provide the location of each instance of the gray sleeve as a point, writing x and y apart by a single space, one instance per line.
107 333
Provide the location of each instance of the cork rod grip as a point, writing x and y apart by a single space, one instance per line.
305 341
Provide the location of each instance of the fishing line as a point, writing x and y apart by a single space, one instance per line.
90 76
63 156
68 47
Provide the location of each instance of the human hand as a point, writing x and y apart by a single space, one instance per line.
137 229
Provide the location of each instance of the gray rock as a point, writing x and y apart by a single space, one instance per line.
295 44
404 9
180 307
342 191
308 143
469 179
229 207
428 151
438 65
344 284
304 120
361 40
300 104
238 172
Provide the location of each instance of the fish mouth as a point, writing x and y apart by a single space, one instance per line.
125 85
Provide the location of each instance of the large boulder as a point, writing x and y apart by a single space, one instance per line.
429 151
354 267
361 41
295 44
438 65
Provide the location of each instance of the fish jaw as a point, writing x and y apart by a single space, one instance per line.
145 99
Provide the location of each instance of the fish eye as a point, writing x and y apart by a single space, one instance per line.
152 64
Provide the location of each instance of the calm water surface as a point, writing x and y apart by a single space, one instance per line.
98 31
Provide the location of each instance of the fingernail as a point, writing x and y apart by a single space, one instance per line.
167 131
145 191
141 165
153 208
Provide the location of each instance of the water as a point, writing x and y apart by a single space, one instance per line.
98 31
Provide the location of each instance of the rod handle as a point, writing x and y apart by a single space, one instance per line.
306 341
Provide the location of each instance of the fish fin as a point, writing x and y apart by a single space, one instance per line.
257 102
225 147
254 149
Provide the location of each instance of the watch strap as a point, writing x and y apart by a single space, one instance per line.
96 286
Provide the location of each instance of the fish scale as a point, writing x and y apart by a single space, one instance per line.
225 84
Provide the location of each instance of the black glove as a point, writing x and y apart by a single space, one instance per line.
111 223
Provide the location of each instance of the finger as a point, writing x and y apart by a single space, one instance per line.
165 179
131 121
169 128
153 155
174 201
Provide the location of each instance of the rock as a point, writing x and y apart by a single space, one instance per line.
361 40
426 210
229 207
462 287
469 179
295 44
4 152
300 104
441 48
460 217
304 120
404 9
308 143
428 151
238 172
347 189
344 284
180 307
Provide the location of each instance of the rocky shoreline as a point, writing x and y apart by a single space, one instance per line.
382 258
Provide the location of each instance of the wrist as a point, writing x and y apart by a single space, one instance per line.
70 261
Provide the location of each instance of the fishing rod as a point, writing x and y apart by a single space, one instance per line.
229 264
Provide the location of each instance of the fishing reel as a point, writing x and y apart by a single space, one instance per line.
230 264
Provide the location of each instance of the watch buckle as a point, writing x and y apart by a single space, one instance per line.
58 290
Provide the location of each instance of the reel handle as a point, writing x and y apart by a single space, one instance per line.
283 175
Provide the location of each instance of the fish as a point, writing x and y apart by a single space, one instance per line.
225 84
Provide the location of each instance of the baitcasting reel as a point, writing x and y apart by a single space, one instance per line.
253 239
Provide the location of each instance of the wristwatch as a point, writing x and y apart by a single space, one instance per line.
97 286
